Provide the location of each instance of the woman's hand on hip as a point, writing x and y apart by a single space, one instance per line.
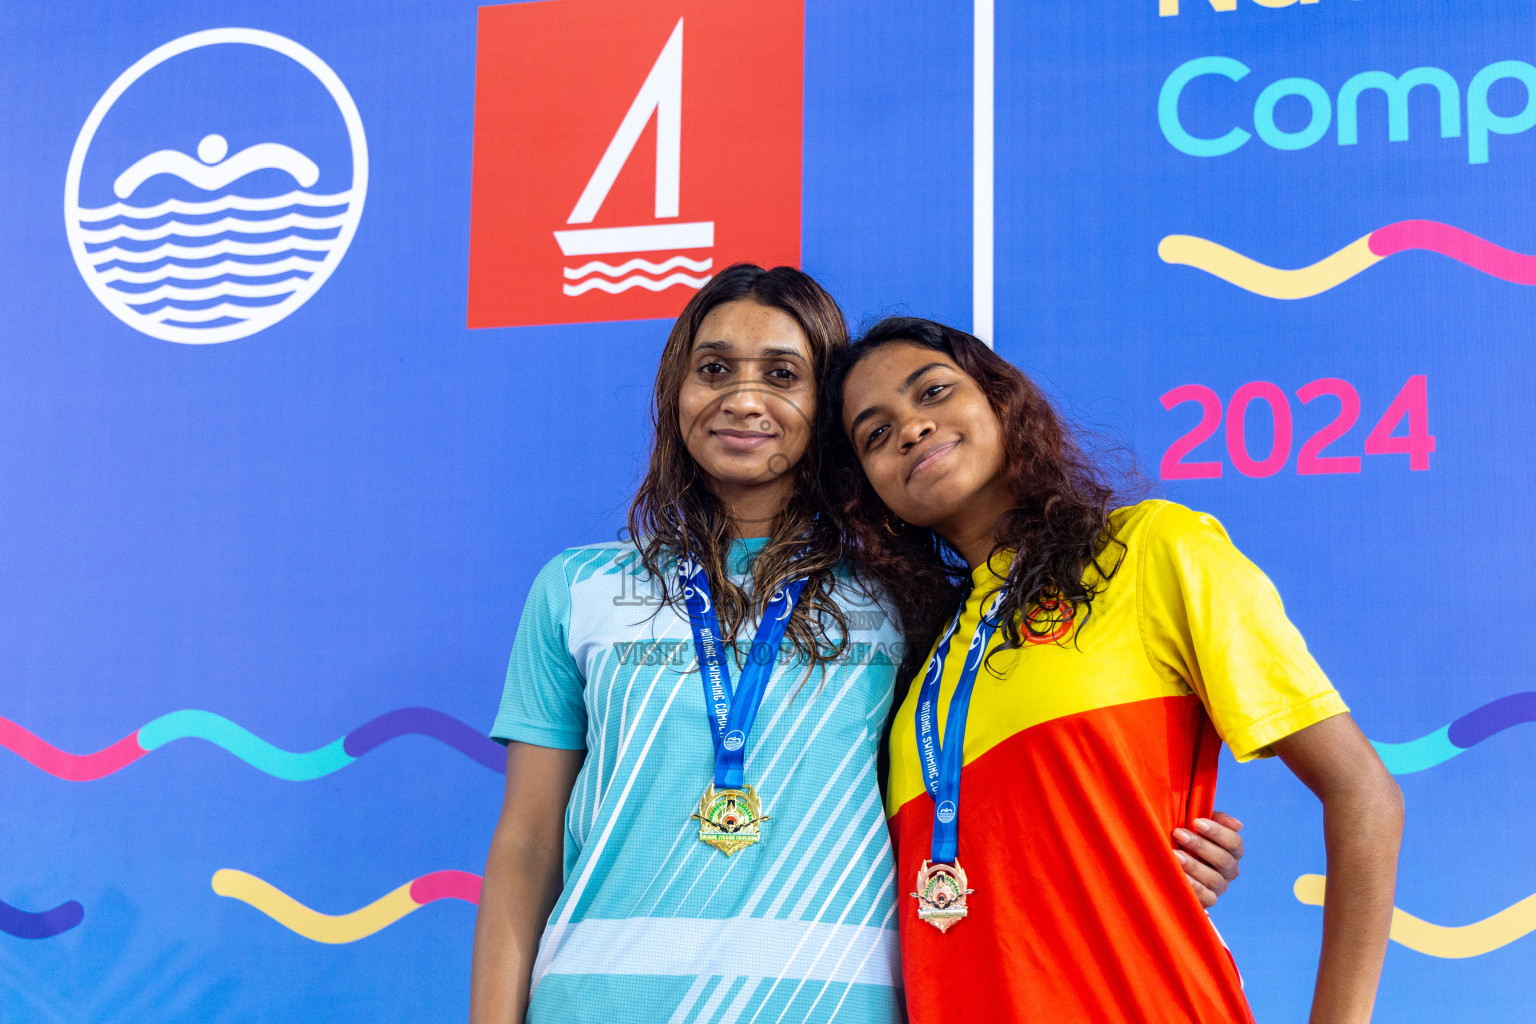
1209 855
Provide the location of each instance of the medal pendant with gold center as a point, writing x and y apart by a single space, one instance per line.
730 819
941 894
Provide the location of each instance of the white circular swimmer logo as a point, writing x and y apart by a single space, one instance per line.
216 185
735 740
946 812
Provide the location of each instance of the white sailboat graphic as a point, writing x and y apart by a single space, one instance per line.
661 95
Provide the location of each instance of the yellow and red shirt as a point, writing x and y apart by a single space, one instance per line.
1081 757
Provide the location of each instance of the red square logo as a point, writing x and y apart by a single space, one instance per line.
626 149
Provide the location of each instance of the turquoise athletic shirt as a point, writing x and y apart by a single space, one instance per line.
654 925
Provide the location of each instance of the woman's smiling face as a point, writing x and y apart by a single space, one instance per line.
924 432
747 402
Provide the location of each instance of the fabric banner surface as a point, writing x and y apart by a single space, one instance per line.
327 325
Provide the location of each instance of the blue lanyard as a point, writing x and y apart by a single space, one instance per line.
731 714
942 765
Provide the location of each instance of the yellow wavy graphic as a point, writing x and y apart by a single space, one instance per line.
1235 268
1475 939
312 924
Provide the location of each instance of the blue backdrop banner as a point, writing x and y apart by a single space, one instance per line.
328 324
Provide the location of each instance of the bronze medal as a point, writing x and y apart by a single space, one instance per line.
941 894
730 819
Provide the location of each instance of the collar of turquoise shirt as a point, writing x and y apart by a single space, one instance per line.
743 550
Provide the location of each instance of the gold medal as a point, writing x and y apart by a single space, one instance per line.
730 819
941 894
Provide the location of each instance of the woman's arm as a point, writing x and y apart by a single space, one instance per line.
1362 827
522 880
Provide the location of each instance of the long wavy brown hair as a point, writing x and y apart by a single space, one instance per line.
674 513
1065 482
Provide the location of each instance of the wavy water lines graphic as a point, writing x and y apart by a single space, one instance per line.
155 260
1448 942
140 262
42 924
607 278
1465 732
213 206
349 927
291 766
195 229
1359 255
222 269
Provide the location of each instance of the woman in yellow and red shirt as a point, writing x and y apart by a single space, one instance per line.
1098 658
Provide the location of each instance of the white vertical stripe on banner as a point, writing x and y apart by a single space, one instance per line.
981 174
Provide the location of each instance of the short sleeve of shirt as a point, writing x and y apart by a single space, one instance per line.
1211 617
542 701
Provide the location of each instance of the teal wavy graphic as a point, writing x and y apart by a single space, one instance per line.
1470 729
295 766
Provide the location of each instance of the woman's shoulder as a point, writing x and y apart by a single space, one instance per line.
1172 545
1157 521
575 566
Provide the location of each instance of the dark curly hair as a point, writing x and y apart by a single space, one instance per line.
1059 525
674 513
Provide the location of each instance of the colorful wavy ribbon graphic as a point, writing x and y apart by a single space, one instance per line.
1448 741
1453 943
294 766
42 924
360 923
1366 251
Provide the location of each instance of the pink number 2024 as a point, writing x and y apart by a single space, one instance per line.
1410 405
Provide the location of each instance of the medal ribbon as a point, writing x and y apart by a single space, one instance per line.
731 713
942 764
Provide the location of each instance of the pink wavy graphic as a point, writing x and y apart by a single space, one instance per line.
447 885
70 767
1462 246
